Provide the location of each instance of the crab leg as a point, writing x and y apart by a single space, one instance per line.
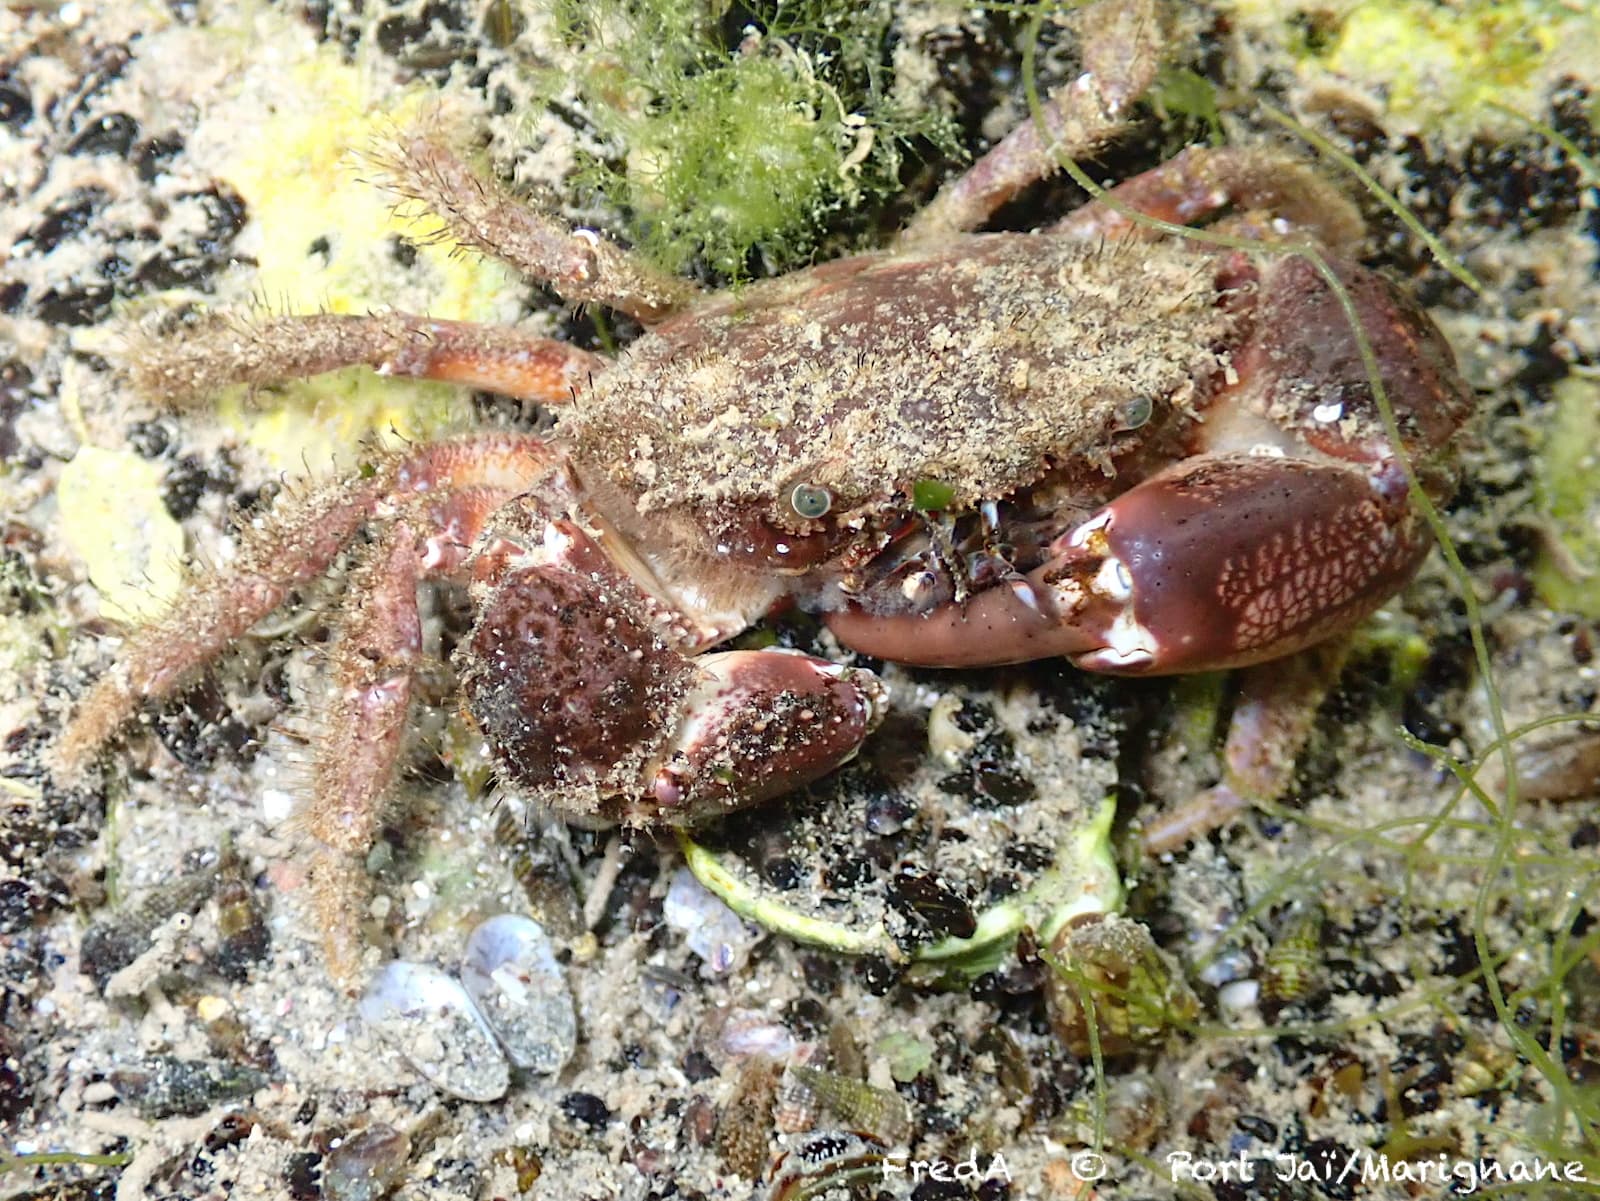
1272 718
288 546
1122 42
261 351
376 655
363 729
450 487
583 266
1261 189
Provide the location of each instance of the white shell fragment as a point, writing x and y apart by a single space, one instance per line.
711 930
427 1016
509 968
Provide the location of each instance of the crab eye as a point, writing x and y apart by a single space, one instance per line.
1135 412
810 501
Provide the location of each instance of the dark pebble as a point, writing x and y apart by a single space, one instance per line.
783 873
929 902
152 157
66 218
233 1128
303 1176
1257 1127
586 1108
16 106
877 974
149 439
87 305
115 133
697 1066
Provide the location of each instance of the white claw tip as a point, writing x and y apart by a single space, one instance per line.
1024 592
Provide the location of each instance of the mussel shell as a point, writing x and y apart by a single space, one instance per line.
427 1016
509 969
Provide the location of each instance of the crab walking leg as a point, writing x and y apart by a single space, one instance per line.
1122 44
1219 561
372 671
260 351
289 545
588 706
1263 189
1272 719
363 729
582 265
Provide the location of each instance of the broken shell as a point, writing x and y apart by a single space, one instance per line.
428 1017
826 1160
510 971
946 737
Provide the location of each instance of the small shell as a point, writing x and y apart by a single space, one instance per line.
243 936
366 1166
1293 967
946 738
545 877
805 1094
743 1139
1110 976
166 1086
510 971
428 1017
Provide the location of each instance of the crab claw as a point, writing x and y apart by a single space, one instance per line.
589 708
1217 562
758 724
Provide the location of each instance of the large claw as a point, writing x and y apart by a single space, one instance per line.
1217 562
587 705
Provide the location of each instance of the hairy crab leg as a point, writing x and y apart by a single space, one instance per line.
263 350
376 655
291 544
362 734
582 265
288 546
1122 43
1264 189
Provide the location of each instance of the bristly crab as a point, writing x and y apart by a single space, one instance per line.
1094 441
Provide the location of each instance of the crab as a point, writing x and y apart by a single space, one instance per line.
1097 441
